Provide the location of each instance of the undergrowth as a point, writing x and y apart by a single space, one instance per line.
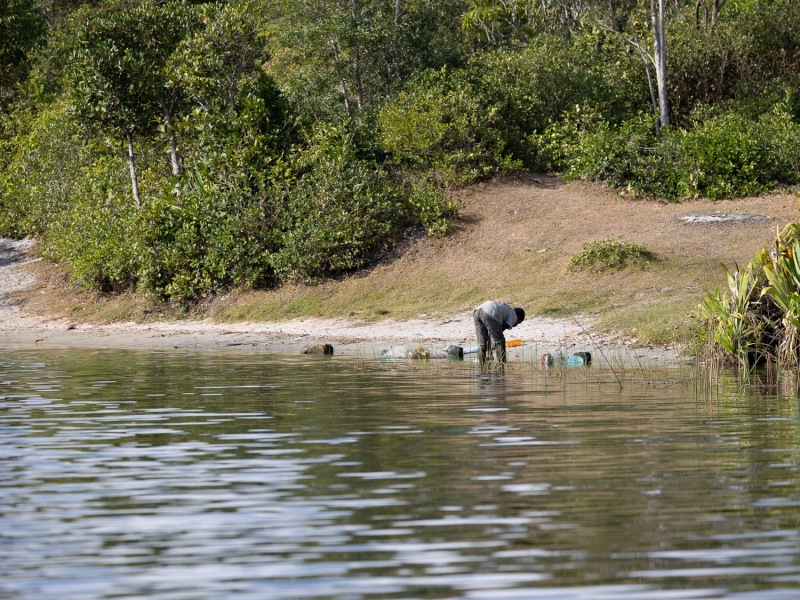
610 254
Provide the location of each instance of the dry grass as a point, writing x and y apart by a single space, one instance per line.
514 242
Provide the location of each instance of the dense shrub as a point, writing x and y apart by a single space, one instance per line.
443 122
774 31
201 239
706 66
747 59
723 157
533 87
38 180
482 120
93 234
631 156
723 154
335 212
429 205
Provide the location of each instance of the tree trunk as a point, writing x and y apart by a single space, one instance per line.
708 19
132 167
398 12
660 59
356 4
173 143
340 75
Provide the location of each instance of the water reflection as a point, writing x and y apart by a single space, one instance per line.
174 475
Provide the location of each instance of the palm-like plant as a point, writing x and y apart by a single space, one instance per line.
758 316
727 317
783 273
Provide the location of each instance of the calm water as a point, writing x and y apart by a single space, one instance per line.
172 475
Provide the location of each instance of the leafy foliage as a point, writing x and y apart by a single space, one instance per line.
442 122
117 77
610 254
299 139
22 26
235 122
724 155
38 181
335 211
86 235
201 240
758 316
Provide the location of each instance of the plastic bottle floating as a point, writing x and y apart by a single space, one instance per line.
579 359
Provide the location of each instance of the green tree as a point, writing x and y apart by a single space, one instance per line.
118 77
339 59
21 28
335 210
237 121
502 22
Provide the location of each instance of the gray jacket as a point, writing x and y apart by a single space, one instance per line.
500 312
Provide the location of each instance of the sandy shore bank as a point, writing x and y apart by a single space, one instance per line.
368 339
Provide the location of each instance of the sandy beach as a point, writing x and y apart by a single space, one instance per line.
348 337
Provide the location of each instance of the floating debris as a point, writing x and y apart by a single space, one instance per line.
579 359
420 353
325 349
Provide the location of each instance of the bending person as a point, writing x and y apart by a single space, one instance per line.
491 320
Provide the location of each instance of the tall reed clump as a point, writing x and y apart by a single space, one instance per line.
757 318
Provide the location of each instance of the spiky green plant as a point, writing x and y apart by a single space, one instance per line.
758 316
783 274
727 319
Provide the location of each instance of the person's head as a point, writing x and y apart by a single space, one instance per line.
520 315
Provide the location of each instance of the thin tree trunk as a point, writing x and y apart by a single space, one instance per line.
173 144
356 4
359 86
337 65
660 56
132 167
646 61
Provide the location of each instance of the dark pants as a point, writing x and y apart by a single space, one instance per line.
488 328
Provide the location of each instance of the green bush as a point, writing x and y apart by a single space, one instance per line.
631 156
443 122
723 157
429 205
780 132
202 239
335 212
44 163
93 238
706 66
611 255
533 87
721 154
